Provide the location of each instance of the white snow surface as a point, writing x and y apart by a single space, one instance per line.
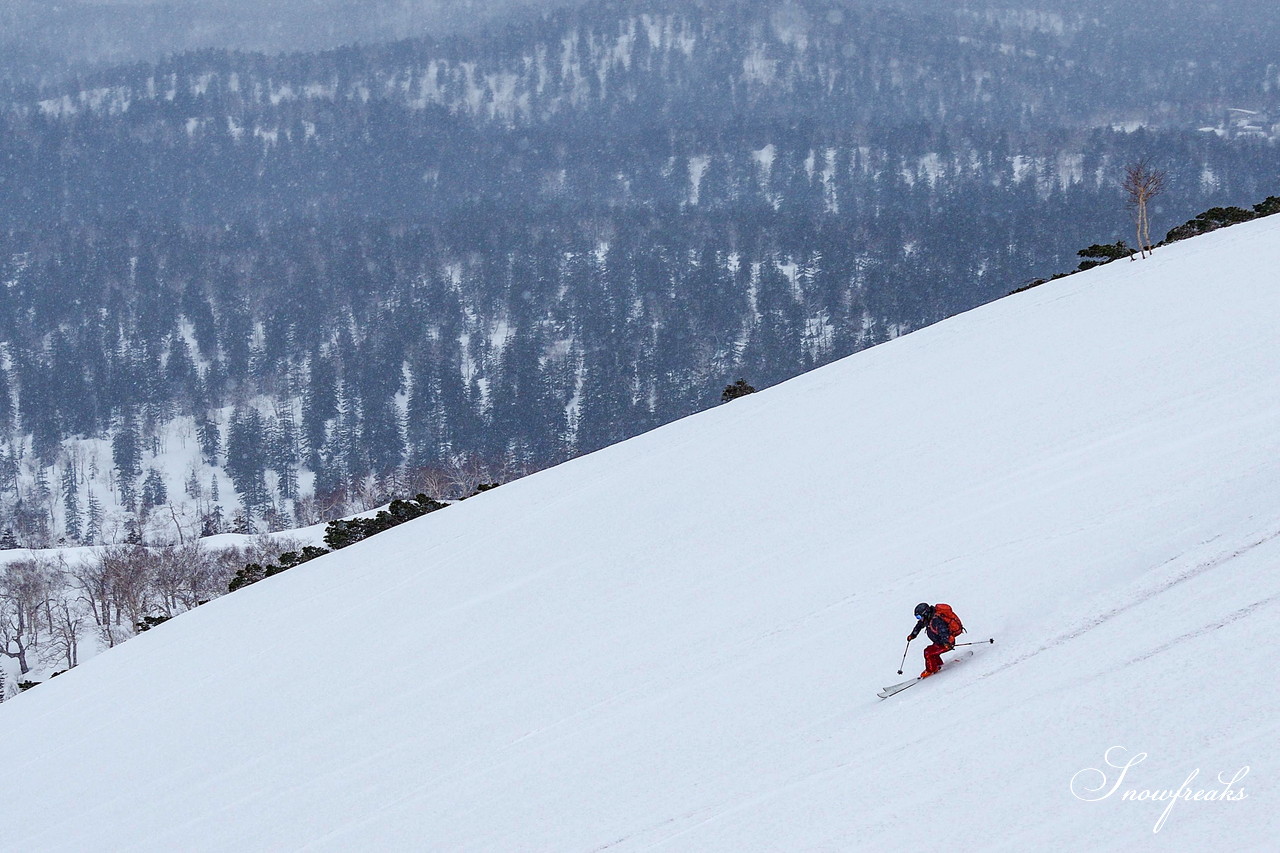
675 643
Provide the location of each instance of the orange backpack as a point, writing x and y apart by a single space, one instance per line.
949 616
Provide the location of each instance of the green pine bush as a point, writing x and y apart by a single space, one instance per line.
736 390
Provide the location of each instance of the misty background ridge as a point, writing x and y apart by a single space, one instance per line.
41 40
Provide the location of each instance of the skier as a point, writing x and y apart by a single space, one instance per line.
942 626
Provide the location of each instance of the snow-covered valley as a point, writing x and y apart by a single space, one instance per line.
675 643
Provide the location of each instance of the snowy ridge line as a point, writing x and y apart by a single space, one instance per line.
1140 599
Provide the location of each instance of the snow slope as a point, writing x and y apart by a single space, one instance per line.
675 643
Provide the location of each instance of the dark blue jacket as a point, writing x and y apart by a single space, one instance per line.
937 628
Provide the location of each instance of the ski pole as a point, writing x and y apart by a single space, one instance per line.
904 657
975 643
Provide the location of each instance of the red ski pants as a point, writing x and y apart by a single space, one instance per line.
933 657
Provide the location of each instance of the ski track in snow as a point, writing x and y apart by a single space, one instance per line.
1235 616
1140 599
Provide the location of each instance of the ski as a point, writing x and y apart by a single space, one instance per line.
894 689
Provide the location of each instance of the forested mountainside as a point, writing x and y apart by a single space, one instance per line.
331 270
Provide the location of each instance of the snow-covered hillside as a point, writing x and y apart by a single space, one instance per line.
676 643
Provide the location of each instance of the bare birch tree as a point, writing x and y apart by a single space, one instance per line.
26 588
1141 184
65 627
116 586
17 632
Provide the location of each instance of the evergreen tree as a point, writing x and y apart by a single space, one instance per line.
422 416
8 471
46 431
6 403
283 452
319 404
212 522
242 522
736 390
180 371
210 438
93 520
154 492
126 452
343 456
213 384
192 486
41 490
247 457
71 502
